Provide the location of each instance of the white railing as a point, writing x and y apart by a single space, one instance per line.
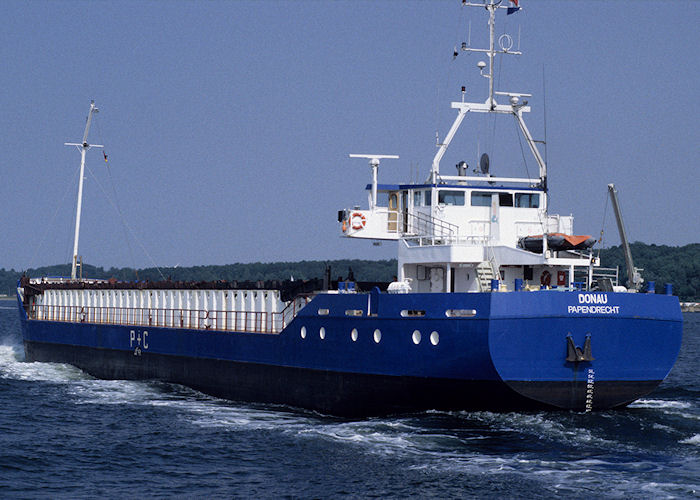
493 261
420 224
466 240
238 321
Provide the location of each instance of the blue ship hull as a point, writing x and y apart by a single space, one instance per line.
508 352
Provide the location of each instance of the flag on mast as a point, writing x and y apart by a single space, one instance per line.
513 8
105 155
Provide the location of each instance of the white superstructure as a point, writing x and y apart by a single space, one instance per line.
457 233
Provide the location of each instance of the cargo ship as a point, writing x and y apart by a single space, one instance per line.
497 304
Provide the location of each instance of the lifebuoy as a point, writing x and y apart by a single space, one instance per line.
546 278
357 220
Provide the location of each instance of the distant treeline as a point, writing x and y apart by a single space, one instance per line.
661 263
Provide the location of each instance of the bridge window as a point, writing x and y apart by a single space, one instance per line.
393 201
417 198
505 199
527 200
451 197
481 199
428 198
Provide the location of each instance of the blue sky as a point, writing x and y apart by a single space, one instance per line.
228 124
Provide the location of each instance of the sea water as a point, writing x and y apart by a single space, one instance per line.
65 434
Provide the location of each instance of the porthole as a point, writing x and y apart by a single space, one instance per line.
322 333
412 313
377 335
434 338
460 313
416 337
353 334
323 312
303 332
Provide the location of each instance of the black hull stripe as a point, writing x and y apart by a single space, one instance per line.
335 393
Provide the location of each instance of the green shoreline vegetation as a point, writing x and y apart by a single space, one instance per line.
660 263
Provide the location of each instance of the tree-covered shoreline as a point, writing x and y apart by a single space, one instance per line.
661 263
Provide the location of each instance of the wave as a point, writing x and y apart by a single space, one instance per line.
457 435
660 403
562 453
441 436
569 429
684 409
691 440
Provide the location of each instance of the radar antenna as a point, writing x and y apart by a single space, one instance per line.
374 165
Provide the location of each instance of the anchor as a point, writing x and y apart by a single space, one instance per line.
575 354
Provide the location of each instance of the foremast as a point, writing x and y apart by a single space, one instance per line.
82 147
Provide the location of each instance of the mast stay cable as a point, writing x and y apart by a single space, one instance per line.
126 224
118 207
69 185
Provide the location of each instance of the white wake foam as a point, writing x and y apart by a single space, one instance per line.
660 403
214 413
11 367
684 409
373 435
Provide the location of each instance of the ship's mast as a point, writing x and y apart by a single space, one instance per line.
505 43
492 26
516 106
82 147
